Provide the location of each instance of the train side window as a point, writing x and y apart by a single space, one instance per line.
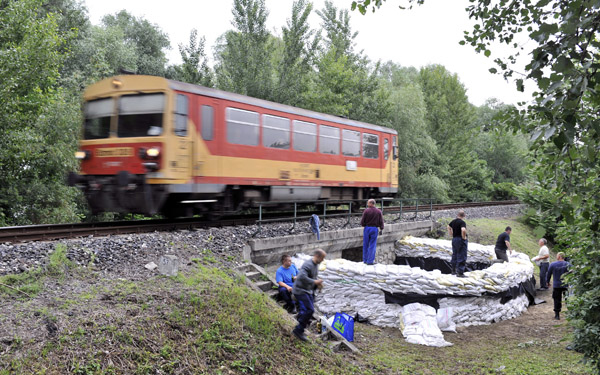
386 149
181 115
242 126
329 140
350 143
276 132
97 118
208 122
305 136
370 146
395 147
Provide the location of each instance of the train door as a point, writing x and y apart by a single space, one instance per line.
387 165
204 167
181 163
394 163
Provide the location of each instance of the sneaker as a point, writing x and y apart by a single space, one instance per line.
461 275
557 316
300 336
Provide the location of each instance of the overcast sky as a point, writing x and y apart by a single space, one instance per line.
427 34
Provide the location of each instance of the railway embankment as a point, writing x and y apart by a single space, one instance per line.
128 253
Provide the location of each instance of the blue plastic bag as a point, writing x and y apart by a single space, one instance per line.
344 324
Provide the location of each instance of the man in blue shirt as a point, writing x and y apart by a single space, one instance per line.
557 269
285 276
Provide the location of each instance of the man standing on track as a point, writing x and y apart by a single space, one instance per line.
458 230
503 244
372 220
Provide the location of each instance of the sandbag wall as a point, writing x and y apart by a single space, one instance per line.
353 287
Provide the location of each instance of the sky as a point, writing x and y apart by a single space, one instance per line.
426 34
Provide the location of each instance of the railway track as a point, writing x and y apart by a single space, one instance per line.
61 231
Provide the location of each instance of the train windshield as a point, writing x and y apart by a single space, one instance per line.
141 115
97 118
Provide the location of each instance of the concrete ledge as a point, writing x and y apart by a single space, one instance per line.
268 251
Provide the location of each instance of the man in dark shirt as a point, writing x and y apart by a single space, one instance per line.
372 218
503 244
458 230
557 269
304 287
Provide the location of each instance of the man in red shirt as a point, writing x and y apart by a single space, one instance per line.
372 220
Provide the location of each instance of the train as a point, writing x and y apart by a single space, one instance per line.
151 145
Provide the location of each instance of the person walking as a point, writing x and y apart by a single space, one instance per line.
542 260
503 244
457 229
372 220
557 269
304 287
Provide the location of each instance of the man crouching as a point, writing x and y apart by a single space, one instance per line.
304 287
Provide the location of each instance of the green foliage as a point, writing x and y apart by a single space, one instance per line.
194 68
450 119
505 152
503 191
243 60
37 140
298 55
147 39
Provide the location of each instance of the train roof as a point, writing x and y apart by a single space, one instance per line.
219 94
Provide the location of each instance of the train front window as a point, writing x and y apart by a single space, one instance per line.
97 118
141 115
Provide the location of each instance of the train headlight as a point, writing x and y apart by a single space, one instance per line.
83 155
152 152
149 153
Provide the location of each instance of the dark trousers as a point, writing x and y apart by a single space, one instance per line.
557 294
543 273
287 297
459 254
501 254
305 311
369 244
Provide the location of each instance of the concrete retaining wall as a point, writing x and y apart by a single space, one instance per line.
268 251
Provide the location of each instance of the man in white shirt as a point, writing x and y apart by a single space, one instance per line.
542 260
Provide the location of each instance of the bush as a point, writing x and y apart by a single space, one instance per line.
503 191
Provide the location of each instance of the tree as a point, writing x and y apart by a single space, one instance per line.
194 68
294 71
418 153
243 59
564 125
36 141
147 39
504 151
338 33
450 118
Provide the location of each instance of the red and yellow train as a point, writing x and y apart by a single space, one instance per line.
153 145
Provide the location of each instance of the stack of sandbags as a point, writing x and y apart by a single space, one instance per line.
353 287
419 325
352 278
483 310
412 247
